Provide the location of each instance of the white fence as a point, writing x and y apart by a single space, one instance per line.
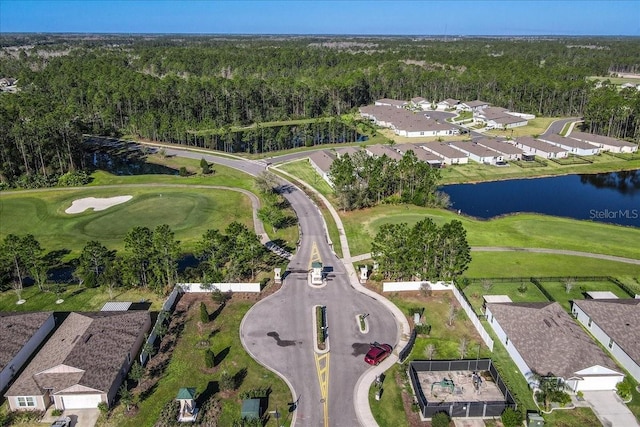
166 307
443 286
222 287
415 286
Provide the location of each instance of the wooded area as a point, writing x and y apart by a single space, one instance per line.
149 261
197 90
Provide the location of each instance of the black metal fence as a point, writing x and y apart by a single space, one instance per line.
460 409
406 351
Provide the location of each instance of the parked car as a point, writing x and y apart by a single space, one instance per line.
62 422
377 353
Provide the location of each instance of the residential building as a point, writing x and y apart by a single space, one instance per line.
379 150
447 104
448 154
605 143
543 340
396 103
405 122
347 150
499 118
420 103
539 148
83 363
508 151
573 146
476 105
478 153
420 153
615 323
321 161
20 335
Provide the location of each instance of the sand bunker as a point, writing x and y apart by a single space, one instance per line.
96 204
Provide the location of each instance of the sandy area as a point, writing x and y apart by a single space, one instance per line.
96 204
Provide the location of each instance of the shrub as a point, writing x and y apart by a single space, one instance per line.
204 314
103 407
74 179
511 418
227 382
625 388
424 329
440 419
209 358
56 412
183 171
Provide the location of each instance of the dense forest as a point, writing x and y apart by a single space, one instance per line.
217 91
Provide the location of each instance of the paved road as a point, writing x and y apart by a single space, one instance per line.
278 331
557 126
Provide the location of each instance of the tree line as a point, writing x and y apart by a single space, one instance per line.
149 260
424 251
361 181
173 90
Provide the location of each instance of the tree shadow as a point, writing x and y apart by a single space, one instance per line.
148 392
214 315
221 356
214 332
239 377
213 387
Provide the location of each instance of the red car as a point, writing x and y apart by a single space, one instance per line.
377 353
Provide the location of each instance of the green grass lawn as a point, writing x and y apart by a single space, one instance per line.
186 368
188 211
389 410
578 417
476 291
558 290
76 298
303 170
536 126
520 230
520 264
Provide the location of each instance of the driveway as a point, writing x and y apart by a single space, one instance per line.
82 417
610 409
469 422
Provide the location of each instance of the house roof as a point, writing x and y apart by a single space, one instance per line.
475 149
16 329
567 142
347 150
392 102
600 139
87 349
619 319
421 153
418 100
323 159
450 101
499 145
381 150
536 144
476 103
548 339
508 118
445 150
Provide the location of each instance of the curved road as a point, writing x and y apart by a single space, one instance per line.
279 333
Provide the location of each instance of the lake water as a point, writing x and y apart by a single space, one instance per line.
606 197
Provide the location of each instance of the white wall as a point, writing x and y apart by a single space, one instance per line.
25 352
623 358
222 287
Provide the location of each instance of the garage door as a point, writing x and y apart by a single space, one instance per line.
599 383
81 401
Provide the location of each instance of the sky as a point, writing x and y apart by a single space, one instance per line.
361 17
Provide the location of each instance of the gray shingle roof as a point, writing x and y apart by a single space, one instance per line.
95 344
445 150
323 159
567 142
499 146
600 139
16 329
536 144
618 318
548 339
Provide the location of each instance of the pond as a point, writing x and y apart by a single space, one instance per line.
605 197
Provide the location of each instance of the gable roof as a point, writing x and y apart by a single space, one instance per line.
381 150
567 142
548 339
323 159
445 150
536 144
347 150
619 319
421 153
600 139
87 349
476 103
16 329
498 145
475 149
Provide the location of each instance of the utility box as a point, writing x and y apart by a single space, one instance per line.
534 420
